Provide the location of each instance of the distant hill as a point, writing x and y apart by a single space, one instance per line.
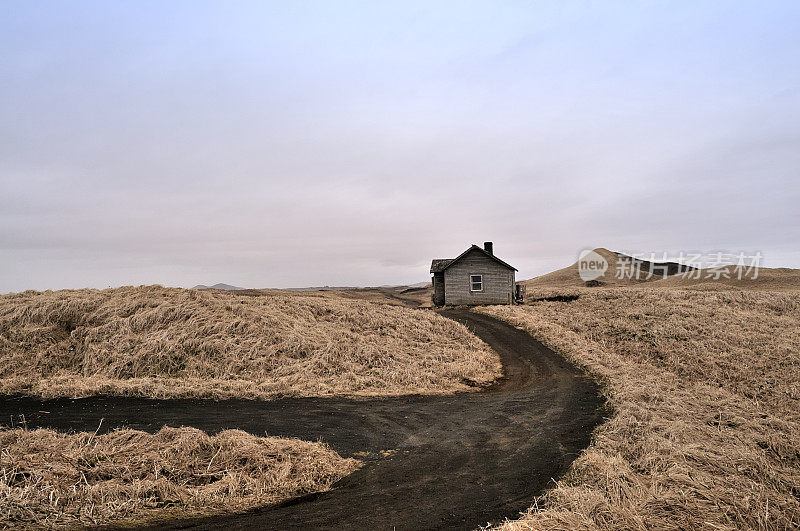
226 287
322 288
404 286
727 277
617 262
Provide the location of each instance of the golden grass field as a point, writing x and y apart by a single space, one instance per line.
703 379
727 278
54 479
166 342
705 391
162 342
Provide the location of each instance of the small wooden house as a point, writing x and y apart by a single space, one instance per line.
476 276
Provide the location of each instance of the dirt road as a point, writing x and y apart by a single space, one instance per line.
453 462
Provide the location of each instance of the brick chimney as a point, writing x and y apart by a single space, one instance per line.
488 247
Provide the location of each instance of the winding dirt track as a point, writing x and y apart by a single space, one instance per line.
459 461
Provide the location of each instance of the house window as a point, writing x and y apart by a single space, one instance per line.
476 282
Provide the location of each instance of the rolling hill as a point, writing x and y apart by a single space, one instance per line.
568 276
226 287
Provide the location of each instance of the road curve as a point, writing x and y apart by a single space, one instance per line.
458 461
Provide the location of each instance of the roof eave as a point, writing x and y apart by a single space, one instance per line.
485 252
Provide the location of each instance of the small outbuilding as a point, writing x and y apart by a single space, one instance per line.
476 276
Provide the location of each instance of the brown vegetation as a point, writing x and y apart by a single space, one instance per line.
623 270
728 277
621 273
165 342
705 387
52 479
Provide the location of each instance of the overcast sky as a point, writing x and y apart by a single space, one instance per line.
349 143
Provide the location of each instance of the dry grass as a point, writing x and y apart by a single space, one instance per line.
420 297
728 278
706 392
50 479
164 342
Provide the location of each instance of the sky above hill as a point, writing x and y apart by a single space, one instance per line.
349 143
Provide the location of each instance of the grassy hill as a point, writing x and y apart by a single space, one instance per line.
168 342
226 287
721 278
568 276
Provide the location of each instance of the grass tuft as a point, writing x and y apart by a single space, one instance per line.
52 479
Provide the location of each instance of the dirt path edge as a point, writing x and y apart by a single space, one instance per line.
454 462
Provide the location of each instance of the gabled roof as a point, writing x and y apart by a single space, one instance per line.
439 265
